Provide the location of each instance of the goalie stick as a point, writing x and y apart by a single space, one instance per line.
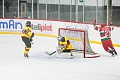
50 53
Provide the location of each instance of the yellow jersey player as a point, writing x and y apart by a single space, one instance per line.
27 36
65 47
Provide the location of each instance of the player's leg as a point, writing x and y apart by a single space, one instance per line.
112 47
106 47
28 46
26 52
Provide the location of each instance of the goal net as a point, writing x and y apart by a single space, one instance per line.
80 41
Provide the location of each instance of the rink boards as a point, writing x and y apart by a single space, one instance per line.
49 28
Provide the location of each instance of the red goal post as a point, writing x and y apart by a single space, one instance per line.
80 41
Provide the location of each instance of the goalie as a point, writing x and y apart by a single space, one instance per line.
65 47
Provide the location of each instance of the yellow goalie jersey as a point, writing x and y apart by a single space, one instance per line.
65 43
26 32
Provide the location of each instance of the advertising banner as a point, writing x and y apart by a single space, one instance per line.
50 28
11 25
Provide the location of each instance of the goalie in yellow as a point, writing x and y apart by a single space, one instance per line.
65 47
27 36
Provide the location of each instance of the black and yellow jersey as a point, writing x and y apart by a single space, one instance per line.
26 32
65 41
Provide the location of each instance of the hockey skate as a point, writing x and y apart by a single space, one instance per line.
71 56
26 55
113 55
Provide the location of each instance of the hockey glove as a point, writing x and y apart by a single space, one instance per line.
32 35
31 40
110 23
94 22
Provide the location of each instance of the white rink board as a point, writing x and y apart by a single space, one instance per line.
51 28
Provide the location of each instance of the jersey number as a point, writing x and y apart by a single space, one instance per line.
24 31
107 33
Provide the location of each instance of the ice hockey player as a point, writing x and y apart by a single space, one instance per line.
105 33
64 49
27 36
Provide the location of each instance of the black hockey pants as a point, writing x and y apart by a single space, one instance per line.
27 42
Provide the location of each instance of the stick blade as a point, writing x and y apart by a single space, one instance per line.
47 53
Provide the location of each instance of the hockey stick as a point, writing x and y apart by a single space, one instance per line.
50 53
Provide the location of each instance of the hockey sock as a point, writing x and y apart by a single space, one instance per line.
26 50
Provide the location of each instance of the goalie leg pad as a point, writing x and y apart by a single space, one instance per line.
61 54
58 55
64 55
67 55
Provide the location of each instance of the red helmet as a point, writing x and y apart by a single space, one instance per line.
103 25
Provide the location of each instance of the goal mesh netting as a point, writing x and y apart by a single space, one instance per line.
80 41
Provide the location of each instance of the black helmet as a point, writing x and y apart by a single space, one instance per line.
28 23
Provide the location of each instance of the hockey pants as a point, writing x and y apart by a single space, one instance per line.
27 44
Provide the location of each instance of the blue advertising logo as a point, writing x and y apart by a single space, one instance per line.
11 24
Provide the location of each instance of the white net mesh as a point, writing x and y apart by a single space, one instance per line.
77 38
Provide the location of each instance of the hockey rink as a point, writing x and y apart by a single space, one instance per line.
40 66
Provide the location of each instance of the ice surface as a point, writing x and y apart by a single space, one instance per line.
40 66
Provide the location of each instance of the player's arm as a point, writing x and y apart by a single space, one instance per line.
25 31
63 45
67 45
111 26
63 42
95 27
94 23
29 32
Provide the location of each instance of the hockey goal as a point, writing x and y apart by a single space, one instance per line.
80 41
